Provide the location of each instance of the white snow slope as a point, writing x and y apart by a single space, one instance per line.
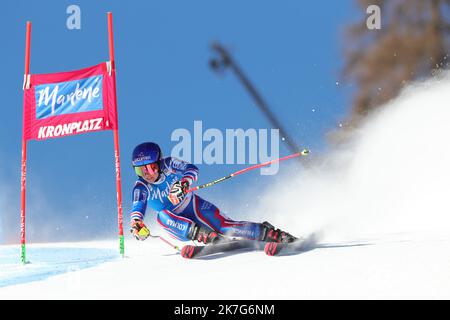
382 206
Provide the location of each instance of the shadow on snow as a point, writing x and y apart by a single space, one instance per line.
311 243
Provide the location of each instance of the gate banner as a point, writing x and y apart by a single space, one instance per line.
68 103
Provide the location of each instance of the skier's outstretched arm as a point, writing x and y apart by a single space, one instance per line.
189 174
188 170
137 226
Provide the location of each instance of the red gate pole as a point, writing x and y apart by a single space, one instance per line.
116 138
24 150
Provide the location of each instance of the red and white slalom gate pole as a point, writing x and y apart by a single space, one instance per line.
116 138
23 256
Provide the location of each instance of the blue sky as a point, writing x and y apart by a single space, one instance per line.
291 50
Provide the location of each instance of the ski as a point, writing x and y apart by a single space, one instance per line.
270 248
284 248
192 251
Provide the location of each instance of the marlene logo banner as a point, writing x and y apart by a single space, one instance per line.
69 97
67 103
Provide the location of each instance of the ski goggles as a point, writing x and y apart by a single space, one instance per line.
148 169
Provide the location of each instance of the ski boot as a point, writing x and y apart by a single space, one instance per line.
270 234
204 235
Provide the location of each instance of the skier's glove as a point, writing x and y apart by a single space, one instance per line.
139 230
178 191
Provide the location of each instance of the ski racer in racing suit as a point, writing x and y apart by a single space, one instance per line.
162 184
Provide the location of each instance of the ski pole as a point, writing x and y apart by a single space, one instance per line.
164 240
145 232
209 184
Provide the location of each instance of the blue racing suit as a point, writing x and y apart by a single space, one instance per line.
178 219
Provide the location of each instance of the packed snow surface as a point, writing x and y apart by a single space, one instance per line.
381 205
